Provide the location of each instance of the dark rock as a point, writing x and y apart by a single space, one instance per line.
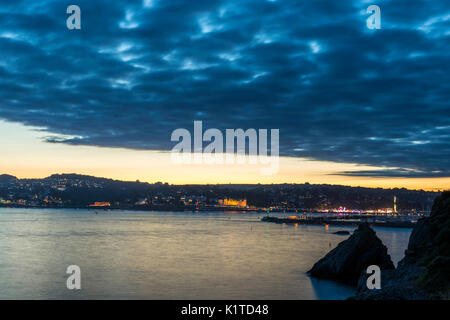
424 272
395 285
342 233
420 242
351 257
431 249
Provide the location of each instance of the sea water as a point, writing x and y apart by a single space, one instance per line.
167 255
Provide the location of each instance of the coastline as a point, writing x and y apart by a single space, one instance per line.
377 221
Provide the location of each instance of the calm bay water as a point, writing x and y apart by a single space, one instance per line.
166 255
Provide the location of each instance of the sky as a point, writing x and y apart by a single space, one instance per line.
354 106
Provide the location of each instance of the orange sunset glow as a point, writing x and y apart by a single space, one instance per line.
27 155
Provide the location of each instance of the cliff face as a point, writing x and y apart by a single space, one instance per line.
429 246
351 257
424 272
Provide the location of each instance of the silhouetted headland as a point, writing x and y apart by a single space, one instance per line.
424 272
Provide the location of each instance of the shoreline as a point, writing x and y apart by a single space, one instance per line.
343 215
347 221
344 220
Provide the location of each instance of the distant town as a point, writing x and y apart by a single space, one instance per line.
81 191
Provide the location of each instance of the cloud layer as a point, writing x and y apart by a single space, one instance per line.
137 70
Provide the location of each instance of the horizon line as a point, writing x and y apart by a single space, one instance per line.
219 184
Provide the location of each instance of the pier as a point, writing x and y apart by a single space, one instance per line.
350 220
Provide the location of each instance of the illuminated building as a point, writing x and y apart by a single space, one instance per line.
100 204
233 203
395 204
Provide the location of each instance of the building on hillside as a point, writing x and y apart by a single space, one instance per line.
97 204
233 203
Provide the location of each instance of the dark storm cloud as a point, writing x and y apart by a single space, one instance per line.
139 69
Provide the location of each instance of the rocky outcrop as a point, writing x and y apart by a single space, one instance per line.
398 284
429 247
342 233
424 272
351 257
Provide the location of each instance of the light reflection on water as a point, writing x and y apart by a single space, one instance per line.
166 255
